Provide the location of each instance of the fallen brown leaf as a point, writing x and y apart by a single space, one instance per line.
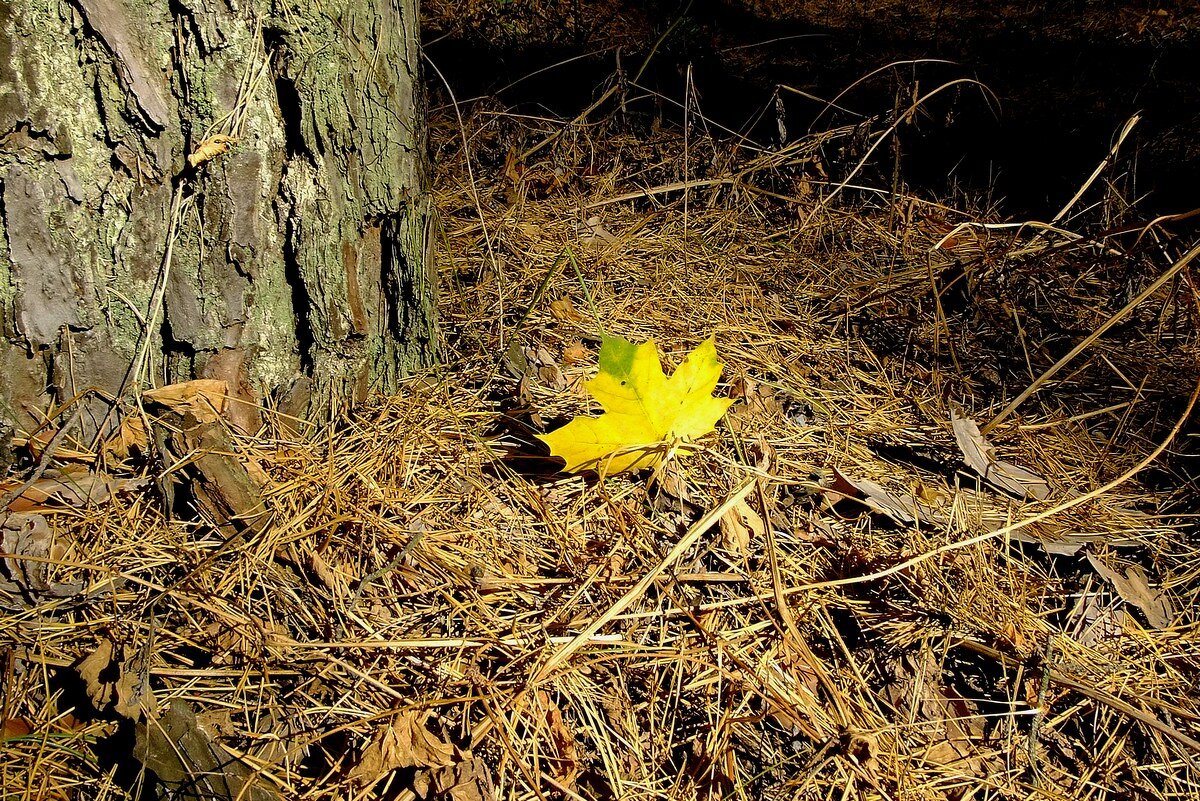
564 311
205 398
405 743
1134 588
739 528
980 457
109 683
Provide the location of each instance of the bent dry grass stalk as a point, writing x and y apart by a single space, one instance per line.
604 639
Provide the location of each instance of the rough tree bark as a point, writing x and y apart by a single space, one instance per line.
293 263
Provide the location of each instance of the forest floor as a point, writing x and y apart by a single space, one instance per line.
941 546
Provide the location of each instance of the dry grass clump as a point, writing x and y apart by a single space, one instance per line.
823 602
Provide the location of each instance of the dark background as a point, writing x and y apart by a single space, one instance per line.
1064 78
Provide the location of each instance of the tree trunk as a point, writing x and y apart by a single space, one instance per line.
289 255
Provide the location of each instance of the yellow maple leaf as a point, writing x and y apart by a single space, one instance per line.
646 413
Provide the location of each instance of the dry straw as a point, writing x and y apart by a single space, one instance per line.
431 606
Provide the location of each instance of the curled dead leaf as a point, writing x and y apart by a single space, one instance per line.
574 353
205 398
405 743
567 766
1133 586
740 526
564 311
129 437
110 684
980 456
211 148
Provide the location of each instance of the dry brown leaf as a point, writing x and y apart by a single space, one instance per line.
980 457
545 367
12 728
797 661
876 498
564 311
765 400
763 454
210 148
24 581
514 168
129 437
566 766
406 743
205 398
574 353
551 377
75 487
109 684
760 400
673 483
882 501
468 780
1134 588
739 527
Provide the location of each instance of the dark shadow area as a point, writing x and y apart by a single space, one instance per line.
1061 80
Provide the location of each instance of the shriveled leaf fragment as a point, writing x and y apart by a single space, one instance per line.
740 526
109 681
205 398
210 148
1134 588
1114 527
877 499
980 457
406 743
800 669
646 413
